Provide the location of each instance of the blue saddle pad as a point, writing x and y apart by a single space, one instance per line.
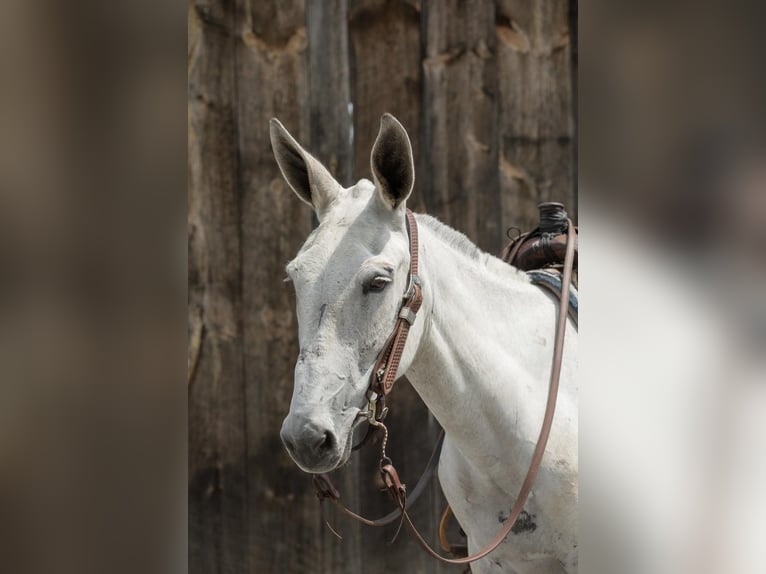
551 280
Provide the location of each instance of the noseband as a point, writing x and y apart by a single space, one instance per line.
382 380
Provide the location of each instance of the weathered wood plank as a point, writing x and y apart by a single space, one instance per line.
329 87
573 206
385 76
272 75
217 455
537 156
460 114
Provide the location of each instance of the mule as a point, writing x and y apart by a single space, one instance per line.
479 353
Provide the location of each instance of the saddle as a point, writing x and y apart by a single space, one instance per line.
540 252
543 247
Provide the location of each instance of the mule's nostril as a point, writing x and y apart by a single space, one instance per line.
313 445
327 442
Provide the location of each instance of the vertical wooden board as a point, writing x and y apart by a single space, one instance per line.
537 156
329 86
460 109
271 61
574 75
217 447
385 76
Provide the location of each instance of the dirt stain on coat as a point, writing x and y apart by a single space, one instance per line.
524 523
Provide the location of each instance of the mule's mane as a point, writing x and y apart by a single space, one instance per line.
462 244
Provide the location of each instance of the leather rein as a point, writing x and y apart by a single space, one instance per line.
382 380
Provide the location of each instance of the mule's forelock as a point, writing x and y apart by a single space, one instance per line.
392 163
307 177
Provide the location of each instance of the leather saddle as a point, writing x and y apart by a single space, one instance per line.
540 252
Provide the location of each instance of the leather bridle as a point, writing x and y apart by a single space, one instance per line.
384 372
382 380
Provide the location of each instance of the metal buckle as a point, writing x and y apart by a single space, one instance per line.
372 405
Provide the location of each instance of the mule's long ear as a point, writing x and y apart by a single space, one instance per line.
391 161
304 173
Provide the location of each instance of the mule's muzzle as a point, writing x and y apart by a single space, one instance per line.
312 444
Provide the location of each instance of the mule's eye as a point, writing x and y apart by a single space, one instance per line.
378 283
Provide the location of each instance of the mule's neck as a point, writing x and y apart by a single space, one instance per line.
472 366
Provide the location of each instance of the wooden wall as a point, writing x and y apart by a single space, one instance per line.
485 89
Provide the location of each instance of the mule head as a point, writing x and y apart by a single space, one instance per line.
349 277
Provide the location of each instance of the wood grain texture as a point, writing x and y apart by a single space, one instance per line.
272 75
385 76
218 526
329 97
459 172
537 145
